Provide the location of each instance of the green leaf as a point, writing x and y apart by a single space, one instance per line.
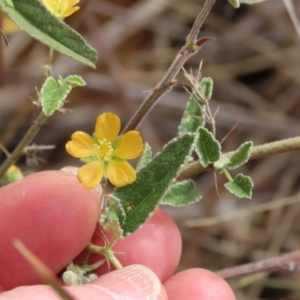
241 186
207 147
54 93
194 116
240 156
206 86
74 81
181 194
140 199
252 1
33 17
234 3
145 157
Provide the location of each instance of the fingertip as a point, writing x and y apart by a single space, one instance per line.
53 215
133 282
137 281
196 284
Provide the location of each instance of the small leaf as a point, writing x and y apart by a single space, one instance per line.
140 199
206 85
193 116
252 1
241 186
181 194
207 147
234 3
240 156
52 95
74 80
145 157
33 17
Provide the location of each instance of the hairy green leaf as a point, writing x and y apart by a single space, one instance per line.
206 87
34 18
207 147
240 156
241 186
145 157
54 93
181 194
140 199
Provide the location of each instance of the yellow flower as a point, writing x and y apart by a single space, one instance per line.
61 8
106 153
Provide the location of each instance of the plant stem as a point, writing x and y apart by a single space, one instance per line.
290 261
287 145
168 82
107 252
226 173
192 36
28 137
241 213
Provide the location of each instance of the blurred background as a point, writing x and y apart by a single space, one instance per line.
255 64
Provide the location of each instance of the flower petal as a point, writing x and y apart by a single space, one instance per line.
129 146
81 145
107 126
90 174
120 173
61 8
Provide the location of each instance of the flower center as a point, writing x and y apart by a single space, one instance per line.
104 150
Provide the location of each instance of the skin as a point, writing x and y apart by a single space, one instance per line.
55 217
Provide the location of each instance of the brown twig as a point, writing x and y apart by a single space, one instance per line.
241 213
191 47
290 262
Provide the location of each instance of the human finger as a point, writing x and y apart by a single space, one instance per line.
194 284
53 215
133 282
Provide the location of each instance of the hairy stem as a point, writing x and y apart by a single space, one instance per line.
28 137
287 145
191 47
107 252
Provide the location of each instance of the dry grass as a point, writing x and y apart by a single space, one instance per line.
254 62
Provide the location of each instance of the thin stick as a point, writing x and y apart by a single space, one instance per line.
168 82
42 270
287 145
290 262
28 137
242 213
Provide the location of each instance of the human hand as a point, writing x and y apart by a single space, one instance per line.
55 217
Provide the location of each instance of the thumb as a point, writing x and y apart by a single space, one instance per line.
130 283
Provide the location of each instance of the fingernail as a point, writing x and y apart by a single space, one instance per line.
70 170
135 281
